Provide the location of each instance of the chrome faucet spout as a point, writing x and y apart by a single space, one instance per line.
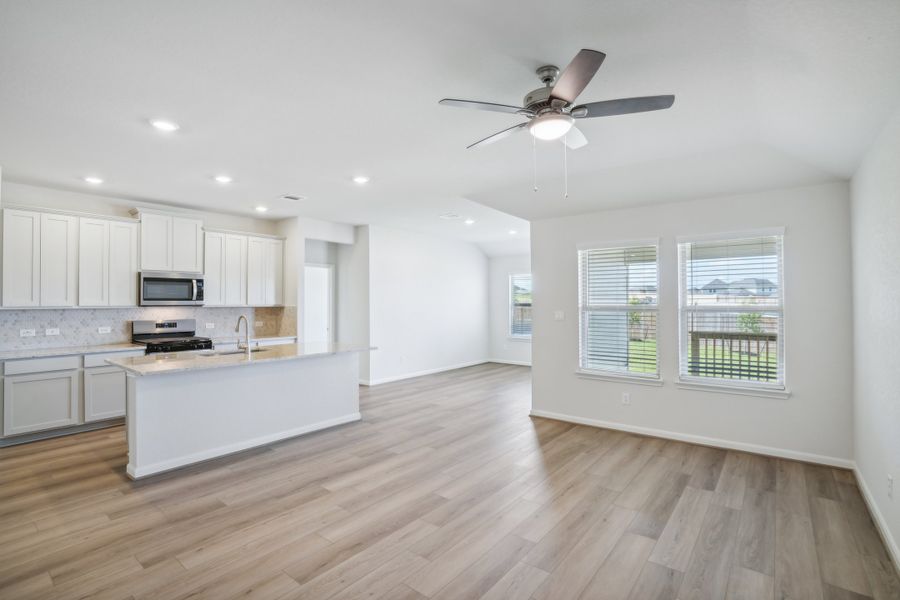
237 329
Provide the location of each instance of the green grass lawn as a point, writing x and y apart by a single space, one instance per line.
708 357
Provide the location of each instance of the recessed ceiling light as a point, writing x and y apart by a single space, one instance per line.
93 180
261 209
512 232
166 126
361 179
470 221
223 178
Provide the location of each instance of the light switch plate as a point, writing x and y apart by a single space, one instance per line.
104 329
210 325
51 331
559 315
26 333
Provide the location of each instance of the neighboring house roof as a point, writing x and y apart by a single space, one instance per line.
715 284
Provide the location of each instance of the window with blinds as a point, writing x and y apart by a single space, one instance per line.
731 311
618 306
520 306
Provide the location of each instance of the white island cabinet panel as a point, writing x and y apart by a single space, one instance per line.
156 242
38 401
93 262
123 263
187 245
59 260
21 258
214 269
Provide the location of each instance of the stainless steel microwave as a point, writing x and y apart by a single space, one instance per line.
159 288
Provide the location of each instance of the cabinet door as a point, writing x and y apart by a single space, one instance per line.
256 271
156 242
93 262
39 401
123 263
214 277
275 272
59 260
21 258
104 393
187 249
235 270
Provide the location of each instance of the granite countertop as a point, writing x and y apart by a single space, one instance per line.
68 350
179 362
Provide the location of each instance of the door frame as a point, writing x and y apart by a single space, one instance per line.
331 296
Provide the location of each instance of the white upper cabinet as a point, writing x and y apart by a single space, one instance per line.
171 243
156 242
123 263
265 271
93 262
214 269
107 263
21 258
187 245
59 260
235 287
40 252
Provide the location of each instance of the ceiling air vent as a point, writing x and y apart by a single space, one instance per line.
293 197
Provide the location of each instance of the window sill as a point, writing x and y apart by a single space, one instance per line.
636 379
759 392
519 338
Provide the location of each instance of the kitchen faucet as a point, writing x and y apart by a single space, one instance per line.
237 329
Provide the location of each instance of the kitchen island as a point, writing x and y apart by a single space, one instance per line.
187 407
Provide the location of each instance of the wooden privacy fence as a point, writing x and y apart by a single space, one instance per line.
750 356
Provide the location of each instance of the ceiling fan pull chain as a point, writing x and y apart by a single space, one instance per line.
565 166
534 162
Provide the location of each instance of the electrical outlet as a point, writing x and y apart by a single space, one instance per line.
210 325
51 331
26 333
104 329
891 487
626 398
258 323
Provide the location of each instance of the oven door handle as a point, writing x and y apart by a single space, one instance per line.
194 283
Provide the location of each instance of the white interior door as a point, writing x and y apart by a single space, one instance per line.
318 303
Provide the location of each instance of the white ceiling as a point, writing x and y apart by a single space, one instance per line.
296 97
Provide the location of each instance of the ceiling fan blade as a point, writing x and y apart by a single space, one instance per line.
498 136
577 75
491 106
574 139
622 106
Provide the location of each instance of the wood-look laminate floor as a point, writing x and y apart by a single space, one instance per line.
446 489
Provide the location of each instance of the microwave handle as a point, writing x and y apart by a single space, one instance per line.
194 283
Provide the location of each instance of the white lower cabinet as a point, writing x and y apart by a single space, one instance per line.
104 393
39 401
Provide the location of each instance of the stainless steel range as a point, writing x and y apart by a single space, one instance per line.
168 336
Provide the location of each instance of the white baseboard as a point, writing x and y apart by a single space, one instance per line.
702 440
181 461
393 378
880 522
503 361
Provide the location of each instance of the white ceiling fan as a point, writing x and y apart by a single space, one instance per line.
551 109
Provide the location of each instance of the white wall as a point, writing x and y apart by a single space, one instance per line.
354 310
875 210
503 348
429 304
813 423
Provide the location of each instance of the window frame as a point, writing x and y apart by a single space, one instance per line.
612 374
761 388
511 307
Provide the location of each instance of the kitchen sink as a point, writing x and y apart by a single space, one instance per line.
228 352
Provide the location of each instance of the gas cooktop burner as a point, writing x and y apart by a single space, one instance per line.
158 336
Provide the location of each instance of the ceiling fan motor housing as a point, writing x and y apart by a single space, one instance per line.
537 99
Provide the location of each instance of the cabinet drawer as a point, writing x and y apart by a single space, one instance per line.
41 365
99 360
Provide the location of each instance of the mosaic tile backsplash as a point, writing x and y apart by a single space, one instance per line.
79 326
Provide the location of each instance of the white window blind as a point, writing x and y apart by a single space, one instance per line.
731 311
520 305
618 306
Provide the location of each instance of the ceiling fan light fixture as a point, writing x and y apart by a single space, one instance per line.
550 126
